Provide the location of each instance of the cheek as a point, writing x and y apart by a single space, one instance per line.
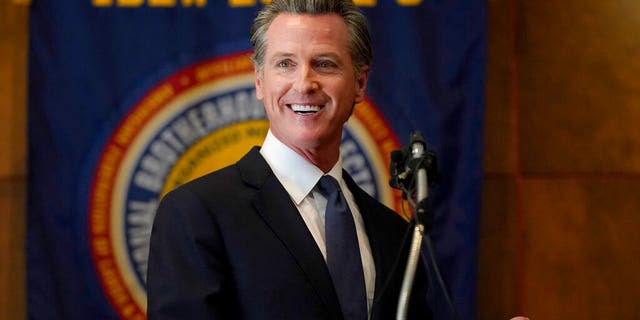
274 90
345 91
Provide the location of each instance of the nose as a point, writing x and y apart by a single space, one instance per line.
306 81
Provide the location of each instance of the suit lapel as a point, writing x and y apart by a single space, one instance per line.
276 208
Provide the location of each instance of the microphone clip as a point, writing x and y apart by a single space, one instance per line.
413 170
406 162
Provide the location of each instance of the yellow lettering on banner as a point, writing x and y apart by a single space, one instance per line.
161 3
242 3
245 3
130 3
101 191
216 69
198 3
104 180
150 3
409 3
99 221
112 283
102 3
232 3
101 246
365 3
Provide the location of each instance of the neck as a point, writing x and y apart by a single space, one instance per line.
323 157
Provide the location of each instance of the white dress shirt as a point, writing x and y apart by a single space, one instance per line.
299 177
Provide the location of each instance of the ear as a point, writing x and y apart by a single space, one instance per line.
361 84
258 81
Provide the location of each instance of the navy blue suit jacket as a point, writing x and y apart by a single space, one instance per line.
232 245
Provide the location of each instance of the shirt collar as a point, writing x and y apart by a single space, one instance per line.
297 175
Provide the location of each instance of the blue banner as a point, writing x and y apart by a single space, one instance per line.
130 98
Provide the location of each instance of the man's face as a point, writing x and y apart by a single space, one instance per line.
307 82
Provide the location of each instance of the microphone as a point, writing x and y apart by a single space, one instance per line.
406 162
417 145
416 165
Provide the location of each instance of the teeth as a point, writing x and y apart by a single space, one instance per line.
305 108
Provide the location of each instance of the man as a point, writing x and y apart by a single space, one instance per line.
256 240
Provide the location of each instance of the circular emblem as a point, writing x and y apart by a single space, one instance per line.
197 120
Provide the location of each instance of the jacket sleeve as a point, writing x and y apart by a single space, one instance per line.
187 271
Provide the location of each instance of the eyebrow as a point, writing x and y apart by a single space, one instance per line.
331 55
280 55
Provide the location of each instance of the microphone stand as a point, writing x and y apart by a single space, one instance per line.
419 167
422 193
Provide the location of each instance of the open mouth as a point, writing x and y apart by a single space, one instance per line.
304 108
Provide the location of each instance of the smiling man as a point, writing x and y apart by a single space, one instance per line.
285 233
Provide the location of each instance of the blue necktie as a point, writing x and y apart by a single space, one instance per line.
343 253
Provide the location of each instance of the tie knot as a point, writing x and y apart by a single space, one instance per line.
328 185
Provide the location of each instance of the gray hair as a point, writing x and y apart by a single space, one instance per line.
359 38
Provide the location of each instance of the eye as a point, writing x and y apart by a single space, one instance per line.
285 63
325 64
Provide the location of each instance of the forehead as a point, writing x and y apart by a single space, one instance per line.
294 30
